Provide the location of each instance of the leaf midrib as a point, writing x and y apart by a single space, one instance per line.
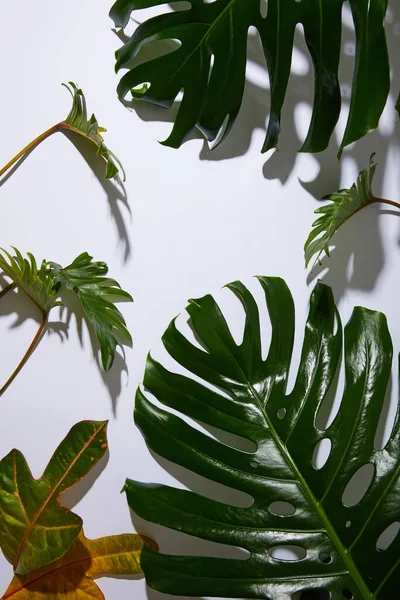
51 495
347 560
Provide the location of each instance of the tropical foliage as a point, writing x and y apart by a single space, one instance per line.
297 502
207 56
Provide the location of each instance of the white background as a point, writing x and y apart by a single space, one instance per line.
187 223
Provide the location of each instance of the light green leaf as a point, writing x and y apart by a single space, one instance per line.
291 500
36 283
209 64
34 528
343 205
97 293
78 122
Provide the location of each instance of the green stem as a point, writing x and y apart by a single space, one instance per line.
27 354
30 146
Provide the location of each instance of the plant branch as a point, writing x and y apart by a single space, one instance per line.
27 354
30 146
385 201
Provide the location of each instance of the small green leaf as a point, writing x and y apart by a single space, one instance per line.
78 122
34 528
38 284
97 293
343 205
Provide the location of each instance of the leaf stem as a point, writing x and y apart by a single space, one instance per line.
385 201
27 354
30 146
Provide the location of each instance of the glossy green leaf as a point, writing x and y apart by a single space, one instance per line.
78 121
342 205
398 104
34 528
217 31
241 393
97 293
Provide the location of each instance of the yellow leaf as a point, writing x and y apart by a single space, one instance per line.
71 576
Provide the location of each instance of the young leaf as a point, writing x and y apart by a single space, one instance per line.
343 205
77 121
34 528
71 577
338 536
84 278
97 294
218 31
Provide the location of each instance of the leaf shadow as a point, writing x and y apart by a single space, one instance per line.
112 379
115 191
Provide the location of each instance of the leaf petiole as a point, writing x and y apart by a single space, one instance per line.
27 354
30 146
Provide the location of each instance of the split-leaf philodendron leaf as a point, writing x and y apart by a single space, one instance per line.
71 576
84 278
244 394
343 204
78 122
209 64
34 528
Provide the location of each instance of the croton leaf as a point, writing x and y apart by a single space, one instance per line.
97 294
338 538
209 64
34 528
71 576
343 205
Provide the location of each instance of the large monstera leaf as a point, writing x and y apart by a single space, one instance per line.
210 63
341 540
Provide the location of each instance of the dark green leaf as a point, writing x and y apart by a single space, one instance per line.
78 122
343 205
398 104
97 293
212 95
244 394
34 528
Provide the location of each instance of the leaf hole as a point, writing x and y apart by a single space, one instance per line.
287 553
325 558
264 8
388 536
282 509
358 485
348 594
321 453
281 414
348 524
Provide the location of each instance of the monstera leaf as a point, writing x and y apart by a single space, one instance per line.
34 528
85 279
339 541
209 64
71 576
343 205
